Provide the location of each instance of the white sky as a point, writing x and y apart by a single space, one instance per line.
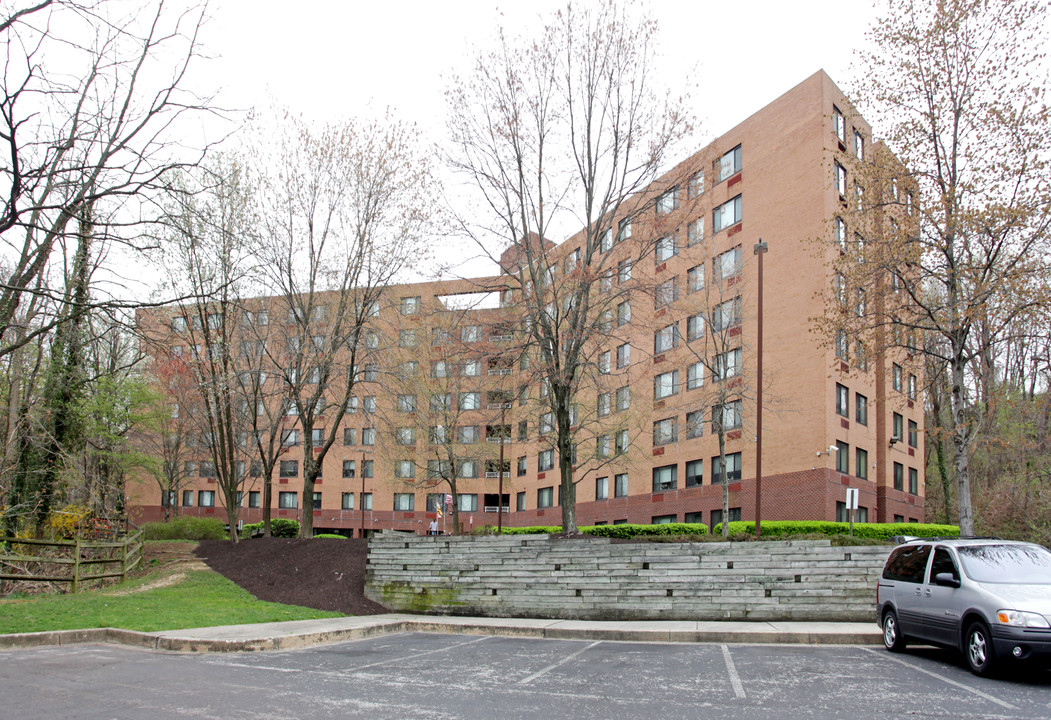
331 58
335 59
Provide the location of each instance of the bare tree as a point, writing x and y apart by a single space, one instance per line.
564 129
346 208
209 259
955 242
90 94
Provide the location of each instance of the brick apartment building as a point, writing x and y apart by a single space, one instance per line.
836 415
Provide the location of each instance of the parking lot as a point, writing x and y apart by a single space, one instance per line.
421 675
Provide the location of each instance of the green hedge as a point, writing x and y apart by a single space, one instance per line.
618 531
186 528
331 536
771 529
875 531
279 527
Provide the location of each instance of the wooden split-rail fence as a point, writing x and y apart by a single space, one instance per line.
70 561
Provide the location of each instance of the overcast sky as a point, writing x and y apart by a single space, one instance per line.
335 59
331 58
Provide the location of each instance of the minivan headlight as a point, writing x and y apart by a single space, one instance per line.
1018 618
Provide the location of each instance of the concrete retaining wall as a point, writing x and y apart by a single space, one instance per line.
597 579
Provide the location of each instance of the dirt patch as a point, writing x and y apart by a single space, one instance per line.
326 574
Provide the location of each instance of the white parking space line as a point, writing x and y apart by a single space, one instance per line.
343 671
731 670
961 686
563 661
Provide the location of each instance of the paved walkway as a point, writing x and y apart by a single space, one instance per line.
303 633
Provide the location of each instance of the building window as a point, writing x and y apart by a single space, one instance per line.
620 485
896 377
473 333
726 315
603 362
317 437
898 428
623 271
726 416
290 438
666 293
663 519
623 313
665 478
349 467
839 233
602 404
404 502
666 385
841 180
861 409
839 124
366 501
728 164
523 430
405 436
695 376
899 476
207 469
694 327
842 457
861 463
666 338
289 468
914 481
733 468
287 500
407 403
696 184
522 466
187 498
350 437
404 469
695 232
410 305
545 497
347 501
913 434
695 279
912 387
694 424
368 436
253 498
842 400
545 460
624 230
470 400
602 488
727 264
842 346
623 355
206 498
694 473
520 501
467 502
727 214
859 145
317 501
666 249
665 432
621 442
467 468
727 364
668 201
623 398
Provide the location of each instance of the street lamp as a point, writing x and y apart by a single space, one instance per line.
760 249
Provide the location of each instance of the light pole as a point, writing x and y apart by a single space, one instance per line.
361 500
760 250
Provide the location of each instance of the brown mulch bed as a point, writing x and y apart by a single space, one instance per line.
321 573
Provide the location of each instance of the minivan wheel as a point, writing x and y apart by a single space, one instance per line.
893 640
981 657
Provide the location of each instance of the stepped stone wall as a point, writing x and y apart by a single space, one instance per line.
598 579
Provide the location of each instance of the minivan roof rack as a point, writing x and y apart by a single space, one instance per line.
909 538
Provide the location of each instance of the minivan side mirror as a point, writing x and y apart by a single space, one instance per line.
946 580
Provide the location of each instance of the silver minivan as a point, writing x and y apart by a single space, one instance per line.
988 598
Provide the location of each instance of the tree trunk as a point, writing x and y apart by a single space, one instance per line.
725 480
960 439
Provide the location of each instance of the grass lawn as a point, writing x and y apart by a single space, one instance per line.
198 598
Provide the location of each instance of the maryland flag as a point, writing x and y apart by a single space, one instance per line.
438 510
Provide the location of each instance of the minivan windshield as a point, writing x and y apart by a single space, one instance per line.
1019 564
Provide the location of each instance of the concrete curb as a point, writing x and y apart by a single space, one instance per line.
307 633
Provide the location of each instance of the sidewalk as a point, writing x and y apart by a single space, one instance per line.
305 633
